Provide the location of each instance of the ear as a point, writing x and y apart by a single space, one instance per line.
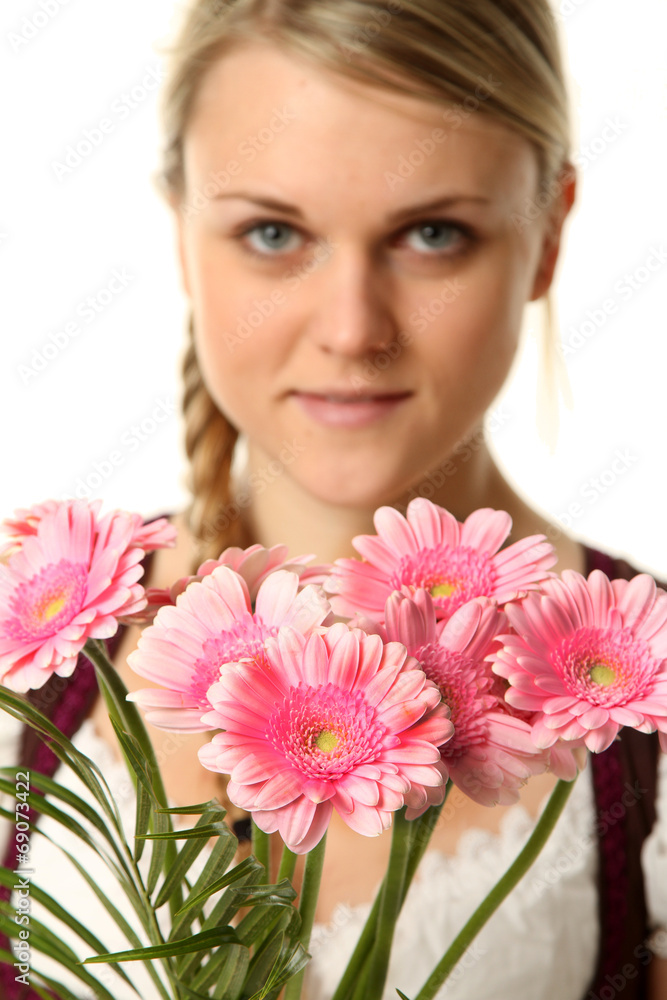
565 185
181 227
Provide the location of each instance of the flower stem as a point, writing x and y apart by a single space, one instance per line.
500 891
312 876
392 895
361 952
287 865
422 829
260 848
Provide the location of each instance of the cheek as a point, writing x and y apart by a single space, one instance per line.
473 342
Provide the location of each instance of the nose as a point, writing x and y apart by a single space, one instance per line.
352 312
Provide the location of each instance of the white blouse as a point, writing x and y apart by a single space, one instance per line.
541 943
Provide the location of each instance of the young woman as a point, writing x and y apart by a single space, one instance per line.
349 183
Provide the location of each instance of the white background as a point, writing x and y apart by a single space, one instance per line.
62 239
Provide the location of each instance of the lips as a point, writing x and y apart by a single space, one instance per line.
349 410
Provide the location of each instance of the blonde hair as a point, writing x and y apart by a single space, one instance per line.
500 57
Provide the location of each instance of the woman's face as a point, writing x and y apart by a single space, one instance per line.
355 268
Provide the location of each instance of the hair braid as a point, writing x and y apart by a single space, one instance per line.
213 517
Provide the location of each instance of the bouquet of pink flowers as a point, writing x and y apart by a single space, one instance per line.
367 688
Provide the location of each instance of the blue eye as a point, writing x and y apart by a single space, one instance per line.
434 236
271 237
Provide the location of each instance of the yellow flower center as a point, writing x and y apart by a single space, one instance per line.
444 589
54 607
326 741
601 674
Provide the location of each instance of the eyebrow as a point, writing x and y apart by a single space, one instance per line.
277 205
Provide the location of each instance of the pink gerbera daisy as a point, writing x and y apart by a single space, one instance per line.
333 721
212 624
589 657
72 575
157 534
254 564
429 549
491 753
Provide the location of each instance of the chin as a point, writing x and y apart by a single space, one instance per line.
356 488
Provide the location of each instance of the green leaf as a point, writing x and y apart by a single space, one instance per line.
402 995
222 913
48 786
288 964
122 712
50 809
66 752
7 878
158 854
142 821
119 919
43 806
282 894
216 868
135 758
192 833
262 965
45 982
42 940
195 810
249 866
225 972
231 979
171 949
257 925
186 992
185 858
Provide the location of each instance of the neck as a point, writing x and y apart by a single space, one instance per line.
285 513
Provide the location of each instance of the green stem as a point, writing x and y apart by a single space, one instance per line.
362 950
261 850
393 893
419 839
287 865
500 891
312 876
421 835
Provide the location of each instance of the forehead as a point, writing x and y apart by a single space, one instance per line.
288 123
